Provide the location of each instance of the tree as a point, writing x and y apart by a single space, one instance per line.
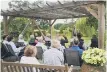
57 26
87 26
92 21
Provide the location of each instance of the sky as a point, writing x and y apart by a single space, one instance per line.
4 6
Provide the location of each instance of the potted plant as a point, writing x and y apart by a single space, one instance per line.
94 60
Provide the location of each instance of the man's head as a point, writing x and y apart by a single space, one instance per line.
55 43
5 37
20 36
9 38
75 42
79 35
32 36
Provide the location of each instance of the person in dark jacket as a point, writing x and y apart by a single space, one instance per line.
32 40
81 41
63 41
94 41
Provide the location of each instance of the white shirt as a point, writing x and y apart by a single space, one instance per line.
5 42
42 45
29 60
61 48
53 57
16 50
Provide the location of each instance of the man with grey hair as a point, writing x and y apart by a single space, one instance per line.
53 56
21 39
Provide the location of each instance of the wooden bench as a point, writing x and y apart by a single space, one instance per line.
18 67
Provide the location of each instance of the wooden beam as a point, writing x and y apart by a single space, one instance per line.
5 21
87 7
34 22
101 25
51 24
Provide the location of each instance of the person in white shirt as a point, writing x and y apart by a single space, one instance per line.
54 56
5 39
41 43
30 56
21 39
12 44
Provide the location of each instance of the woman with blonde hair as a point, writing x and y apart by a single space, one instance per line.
29 55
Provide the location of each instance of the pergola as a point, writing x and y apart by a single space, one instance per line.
58 10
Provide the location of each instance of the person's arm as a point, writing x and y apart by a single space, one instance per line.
61 57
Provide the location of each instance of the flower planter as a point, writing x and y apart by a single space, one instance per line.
90 68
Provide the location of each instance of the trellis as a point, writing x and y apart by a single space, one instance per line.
59 10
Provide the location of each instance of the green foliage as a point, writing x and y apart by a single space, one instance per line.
87 26
94 56
63 27
92 22
57 26
18 24
44 26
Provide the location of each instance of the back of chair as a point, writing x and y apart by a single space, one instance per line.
39 52
4 50
10 49
18 67
19 44
72 57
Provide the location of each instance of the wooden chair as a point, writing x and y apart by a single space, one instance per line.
39 52
7 53
18 67
72 58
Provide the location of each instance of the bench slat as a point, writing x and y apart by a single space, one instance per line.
36 69
24 69
19 68
11 68
16 68
8 69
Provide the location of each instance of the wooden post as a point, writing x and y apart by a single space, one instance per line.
50 28
5 21
51 24
101 25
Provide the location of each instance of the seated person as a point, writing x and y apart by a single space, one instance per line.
94 41
5 39
53 56
76 47
32 40
48 40
30 56
41 43
63 39
21 39
12 44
